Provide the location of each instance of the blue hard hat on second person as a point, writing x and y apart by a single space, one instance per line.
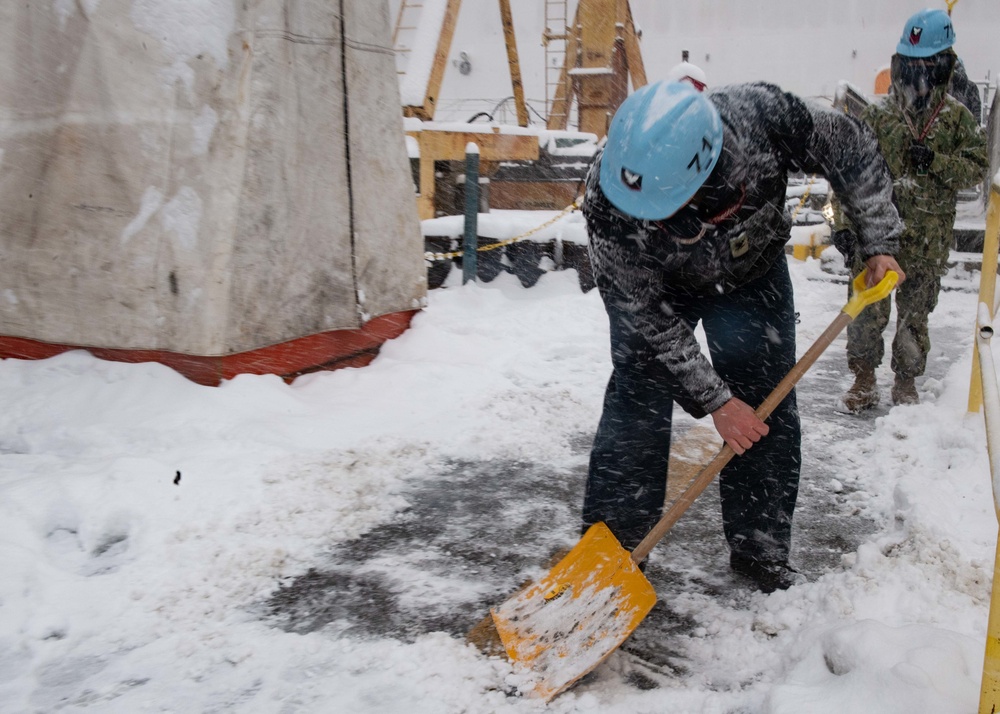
926 33
663 143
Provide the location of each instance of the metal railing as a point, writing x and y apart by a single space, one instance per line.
987 394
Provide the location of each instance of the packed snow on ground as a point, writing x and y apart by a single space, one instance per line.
143 518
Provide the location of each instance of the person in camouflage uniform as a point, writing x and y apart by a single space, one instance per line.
934 148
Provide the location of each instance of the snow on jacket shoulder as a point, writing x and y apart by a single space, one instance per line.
767 134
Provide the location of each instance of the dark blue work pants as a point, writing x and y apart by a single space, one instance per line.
751 338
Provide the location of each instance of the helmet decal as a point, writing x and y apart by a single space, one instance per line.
662 144
706 145
926 33
632 179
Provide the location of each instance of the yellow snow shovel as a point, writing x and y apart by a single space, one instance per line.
561 627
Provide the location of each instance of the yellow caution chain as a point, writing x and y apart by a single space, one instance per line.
431 256
805 197
507 241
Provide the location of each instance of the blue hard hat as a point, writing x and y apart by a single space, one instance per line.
926 33
662 144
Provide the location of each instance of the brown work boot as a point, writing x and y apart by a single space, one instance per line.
904 391
863 394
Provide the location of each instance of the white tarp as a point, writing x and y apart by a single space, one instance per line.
177 175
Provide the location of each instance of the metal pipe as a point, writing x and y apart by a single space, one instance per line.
989 693
991 393
471 240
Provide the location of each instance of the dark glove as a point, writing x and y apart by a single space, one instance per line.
921 157
846 242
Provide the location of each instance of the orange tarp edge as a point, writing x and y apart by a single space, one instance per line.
324 351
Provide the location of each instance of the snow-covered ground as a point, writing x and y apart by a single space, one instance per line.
143 519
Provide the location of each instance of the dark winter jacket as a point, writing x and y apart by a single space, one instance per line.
966 91
767 134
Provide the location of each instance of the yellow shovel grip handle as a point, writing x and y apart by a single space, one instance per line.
862 297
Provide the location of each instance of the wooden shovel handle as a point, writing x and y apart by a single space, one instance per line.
708 474
861 297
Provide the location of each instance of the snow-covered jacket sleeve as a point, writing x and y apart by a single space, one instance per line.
965 91
631 284
672 339
846 151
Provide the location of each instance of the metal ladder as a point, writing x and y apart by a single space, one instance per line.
407 22
554 38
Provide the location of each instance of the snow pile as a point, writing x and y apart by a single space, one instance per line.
144 518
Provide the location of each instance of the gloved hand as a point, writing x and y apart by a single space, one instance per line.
921 157
846 242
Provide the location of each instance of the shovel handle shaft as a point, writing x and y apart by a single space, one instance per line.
861 297
708 474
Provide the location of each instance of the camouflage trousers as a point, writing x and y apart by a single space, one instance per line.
915 299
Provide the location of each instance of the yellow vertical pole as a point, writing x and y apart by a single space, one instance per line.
989 693
987 286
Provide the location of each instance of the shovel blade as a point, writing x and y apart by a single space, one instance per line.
571 620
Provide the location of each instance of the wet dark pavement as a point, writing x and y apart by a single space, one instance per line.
475 532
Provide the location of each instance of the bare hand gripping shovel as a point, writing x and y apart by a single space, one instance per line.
561 627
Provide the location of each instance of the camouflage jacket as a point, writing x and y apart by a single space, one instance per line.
926 201
767 134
